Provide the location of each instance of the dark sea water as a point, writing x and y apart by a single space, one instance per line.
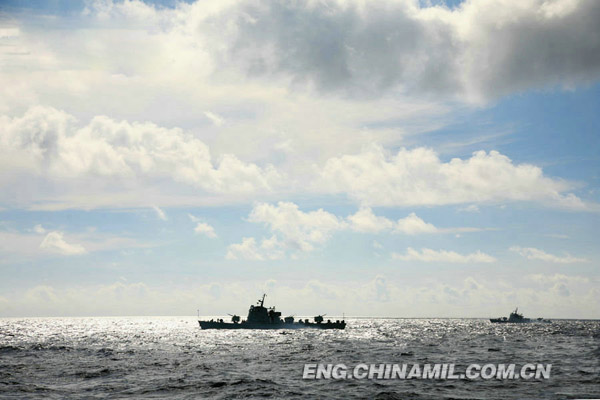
170 357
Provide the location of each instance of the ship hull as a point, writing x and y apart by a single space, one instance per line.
499 321
294 325
527 321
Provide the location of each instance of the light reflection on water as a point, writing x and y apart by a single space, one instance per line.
158 357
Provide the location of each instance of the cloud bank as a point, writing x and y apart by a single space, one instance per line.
51 145
52 155
477 51
295 231
563 297
419 177
206 128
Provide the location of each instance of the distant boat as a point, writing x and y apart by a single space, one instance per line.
261 317
516 318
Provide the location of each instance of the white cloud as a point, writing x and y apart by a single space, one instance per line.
160 213
122 157
444 256
54 242
202 227
299 230
364 220
39 229
413 225
205 229
419 177
269 249
167 74
532 253
246 250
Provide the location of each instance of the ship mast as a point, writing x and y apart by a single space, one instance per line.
263 300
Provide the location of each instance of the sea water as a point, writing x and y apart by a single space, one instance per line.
171 357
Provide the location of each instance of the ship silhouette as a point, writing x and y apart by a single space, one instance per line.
516 318
261 317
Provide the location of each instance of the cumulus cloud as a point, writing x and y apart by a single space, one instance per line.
202 227
296 231
299 230
179 60
167 69
205 229
248 249
130 159
176 61
477 51
532 253
444 256
364 220
54 242
293 231
50 144
412 225
419 177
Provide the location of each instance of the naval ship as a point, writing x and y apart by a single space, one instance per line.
261 317
516 318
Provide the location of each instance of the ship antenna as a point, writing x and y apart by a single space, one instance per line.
263 299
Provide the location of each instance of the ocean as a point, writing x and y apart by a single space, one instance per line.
170 357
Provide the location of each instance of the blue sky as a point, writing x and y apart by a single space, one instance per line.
394 158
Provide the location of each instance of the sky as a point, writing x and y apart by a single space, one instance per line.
396 158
